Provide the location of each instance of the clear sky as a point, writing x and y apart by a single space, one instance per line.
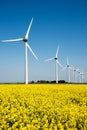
56 22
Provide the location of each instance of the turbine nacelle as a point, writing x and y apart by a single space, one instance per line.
55 58
25 39
67 65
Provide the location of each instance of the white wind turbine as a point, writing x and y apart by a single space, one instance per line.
68 68
74 70
81 73
78 76
57 63
27 46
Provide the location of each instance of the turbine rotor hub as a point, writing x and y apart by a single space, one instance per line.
67 65
25 40
55 58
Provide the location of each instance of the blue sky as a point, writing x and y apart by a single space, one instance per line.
56 22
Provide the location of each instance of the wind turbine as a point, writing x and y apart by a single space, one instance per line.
78 76
74 74
27 46
81 73
74 70
85 79
68 68
57 63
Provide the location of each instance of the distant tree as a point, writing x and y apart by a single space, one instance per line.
32 82
61 81
42 81
54 81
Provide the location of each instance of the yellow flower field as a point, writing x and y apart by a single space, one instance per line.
43 107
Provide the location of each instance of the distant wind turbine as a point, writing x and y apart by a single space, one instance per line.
57 63
68 68
74 70
81 73
78 76
27 46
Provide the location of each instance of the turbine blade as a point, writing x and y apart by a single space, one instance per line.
59 64
57 52
32 51
13 40
64 68
27 34
71 68
49 59
67 61
82 73
78 70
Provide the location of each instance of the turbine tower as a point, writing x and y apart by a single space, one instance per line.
27 46
81 76
74 70
78 76
57 63
74 74
68 68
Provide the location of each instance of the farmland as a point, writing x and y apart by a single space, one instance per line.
43 107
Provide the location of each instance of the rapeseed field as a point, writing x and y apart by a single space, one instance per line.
43 107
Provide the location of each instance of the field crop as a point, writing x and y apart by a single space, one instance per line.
43 107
